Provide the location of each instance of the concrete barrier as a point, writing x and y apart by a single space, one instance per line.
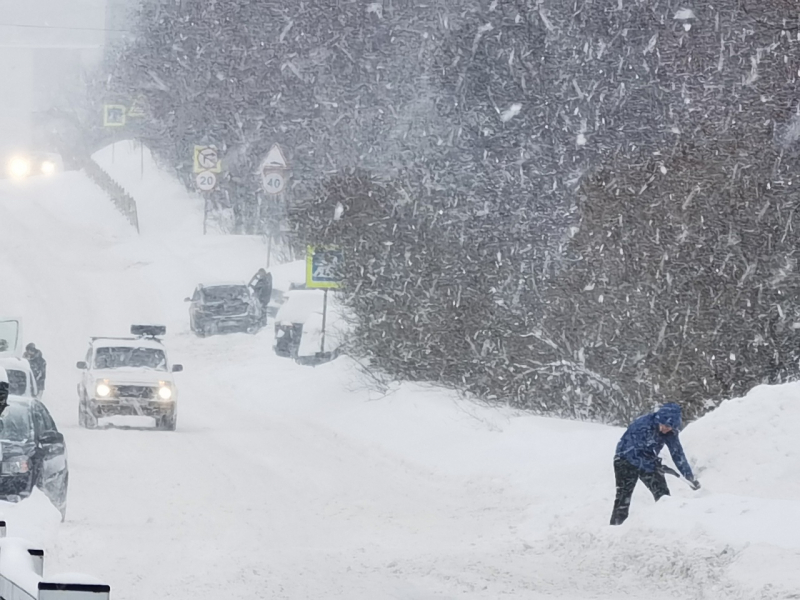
22 576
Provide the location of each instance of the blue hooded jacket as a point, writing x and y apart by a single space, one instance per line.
642 441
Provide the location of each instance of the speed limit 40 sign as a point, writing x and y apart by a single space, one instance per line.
274 171
274 182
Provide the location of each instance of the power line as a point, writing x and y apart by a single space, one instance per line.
65 28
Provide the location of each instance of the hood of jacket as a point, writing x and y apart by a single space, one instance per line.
669 414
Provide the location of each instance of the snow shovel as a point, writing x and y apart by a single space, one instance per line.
673 472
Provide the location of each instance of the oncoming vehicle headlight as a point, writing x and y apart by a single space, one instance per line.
103 390
164 392
15 465
48 167
19 167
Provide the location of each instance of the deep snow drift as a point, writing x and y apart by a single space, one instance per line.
286 481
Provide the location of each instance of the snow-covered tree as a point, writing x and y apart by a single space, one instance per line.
579 207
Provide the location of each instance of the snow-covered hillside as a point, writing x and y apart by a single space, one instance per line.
285 481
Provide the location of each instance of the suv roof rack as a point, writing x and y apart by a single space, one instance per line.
149 331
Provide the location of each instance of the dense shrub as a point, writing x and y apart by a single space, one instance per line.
581 208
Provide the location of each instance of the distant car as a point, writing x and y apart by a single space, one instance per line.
21 163
128 376
20 377
222 308
298 326
34 454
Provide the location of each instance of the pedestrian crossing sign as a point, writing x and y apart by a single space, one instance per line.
323 267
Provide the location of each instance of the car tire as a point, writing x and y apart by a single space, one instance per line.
168 422
61 503
85 417
199 330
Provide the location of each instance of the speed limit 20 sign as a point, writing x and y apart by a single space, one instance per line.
206 181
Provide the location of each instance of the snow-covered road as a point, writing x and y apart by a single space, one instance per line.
284 481
249 497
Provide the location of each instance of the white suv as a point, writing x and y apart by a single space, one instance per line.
128 376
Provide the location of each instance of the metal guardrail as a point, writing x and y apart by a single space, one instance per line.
121 199
22 576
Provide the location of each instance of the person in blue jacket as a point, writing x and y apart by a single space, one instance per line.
637 457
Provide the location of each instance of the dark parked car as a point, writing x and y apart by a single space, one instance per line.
225 308
33 453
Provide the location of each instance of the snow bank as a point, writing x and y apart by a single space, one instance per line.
737 538
163 203
283 276
299 305
749 446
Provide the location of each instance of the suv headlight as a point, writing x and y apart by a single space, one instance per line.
103 390
48 167
19 167
15 465
165 392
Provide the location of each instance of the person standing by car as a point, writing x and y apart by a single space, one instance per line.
38 365
262 287
637 457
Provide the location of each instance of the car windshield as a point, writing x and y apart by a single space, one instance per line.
17 382
120 357
15 423
222 293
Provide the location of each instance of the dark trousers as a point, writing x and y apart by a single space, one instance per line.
627 475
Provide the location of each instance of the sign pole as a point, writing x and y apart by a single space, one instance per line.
323 272
269 250
324 315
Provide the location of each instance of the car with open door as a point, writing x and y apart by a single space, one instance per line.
10 337
223 308
128 376
34 454
20 377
